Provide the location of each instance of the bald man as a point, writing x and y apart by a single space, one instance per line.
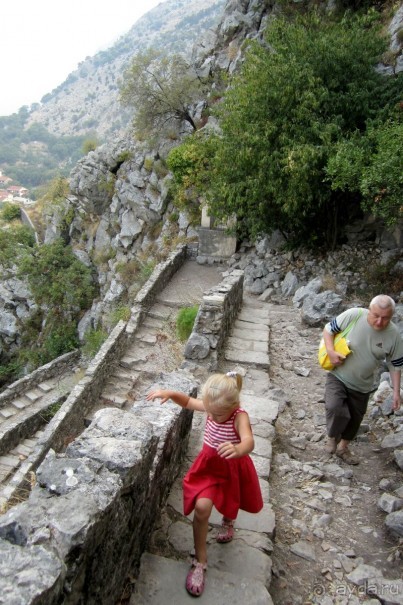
373 338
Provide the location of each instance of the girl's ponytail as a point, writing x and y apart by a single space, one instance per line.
237 377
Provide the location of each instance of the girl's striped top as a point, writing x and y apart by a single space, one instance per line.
216 433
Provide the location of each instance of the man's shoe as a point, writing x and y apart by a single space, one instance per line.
347 457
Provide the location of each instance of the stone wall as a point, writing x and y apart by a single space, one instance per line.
90 515
216 315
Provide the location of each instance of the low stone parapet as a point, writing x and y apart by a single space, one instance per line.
90 515
53 368
214 320
69 421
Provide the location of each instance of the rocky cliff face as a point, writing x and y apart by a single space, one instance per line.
123 218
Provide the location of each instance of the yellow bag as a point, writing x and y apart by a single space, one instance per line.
340 345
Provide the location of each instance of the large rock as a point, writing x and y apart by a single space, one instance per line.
319 308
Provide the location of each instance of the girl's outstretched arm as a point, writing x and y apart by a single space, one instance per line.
231 450
190 403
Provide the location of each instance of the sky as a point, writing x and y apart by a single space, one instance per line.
42 41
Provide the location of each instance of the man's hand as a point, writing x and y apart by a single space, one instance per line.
396 401
336 359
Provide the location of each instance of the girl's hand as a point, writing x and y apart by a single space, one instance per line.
228 450
158 394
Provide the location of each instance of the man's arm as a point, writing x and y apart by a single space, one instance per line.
336 358
395 377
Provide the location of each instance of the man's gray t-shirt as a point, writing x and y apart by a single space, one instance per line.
369 347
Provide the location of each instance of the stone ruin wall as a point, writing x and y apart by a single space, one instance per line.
89 517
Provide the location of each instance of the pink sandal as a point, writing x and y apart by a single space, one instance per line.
226 532
195 578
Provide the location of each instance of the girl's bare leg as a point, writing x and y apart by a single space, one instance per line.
201 517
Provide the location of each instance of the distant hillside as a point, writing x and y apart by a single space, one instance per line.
87 101
46 140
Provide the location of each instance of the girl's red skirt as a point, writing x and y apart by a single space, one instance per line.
231 484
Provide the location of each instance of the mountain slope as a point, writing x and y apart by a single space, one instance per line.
87 102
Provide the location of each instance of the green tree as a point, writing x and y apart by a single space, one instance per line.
372 166
62 287
308 88
13 242
61 283
10 212
89 145
161 89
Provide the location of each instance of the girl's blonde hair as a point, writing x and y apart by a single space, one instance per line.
222 389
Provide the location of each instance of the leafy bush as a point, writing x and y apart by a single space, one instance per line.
93 341
10 212
10 372
185 322
58 280
13 242
121 312
48 413
89 145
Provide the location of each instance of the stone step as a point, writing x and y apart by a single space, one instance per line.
146 335
8 464
21 403
34 394
132 361
21 450
247 345
244 330
162 581
47 386
160 311
7 412
252 358
154 323
255 316
119 385
126 376
111 397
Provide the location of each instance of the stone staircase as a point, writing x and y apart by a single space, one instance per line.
22 421
239 572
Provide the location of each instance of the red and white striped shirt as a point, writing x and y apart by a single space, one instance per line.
216 433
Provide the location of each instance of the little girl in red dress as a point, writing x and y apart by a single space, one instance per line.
223 474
